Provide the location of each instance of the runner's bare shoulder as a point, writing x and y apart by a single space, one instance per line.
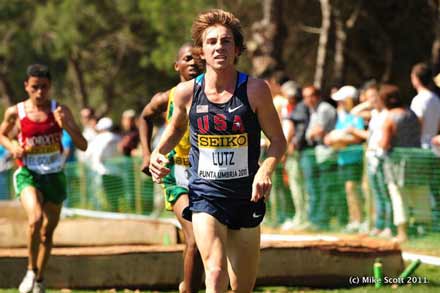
258 93
11 114
184 92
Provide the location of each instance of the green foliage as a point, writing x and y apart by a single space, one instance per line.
119 51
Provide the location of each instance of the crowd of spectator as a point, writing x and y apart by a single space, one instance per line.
331 141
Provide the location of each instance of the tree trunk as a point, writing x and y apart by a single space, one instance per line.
341 30
8 95
109 94
267 40
340 42
83 97
323 42
436 43
388 54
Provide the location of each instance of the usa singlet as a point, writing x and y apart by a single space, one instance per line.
225 140
41 142
225 148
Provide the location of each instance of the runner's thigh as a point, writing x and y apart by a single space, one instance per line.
243 252
211 240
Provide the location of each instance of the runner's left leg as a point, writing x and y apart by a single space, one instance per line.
192 261
51 216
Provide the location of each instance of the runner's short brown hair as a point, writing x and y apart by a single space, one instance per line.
217 17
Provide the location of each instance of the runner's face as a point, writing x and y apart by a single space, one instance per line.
37 88
186 65
218 48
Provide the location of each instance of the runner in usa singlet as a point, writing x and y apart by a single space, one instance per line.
225 140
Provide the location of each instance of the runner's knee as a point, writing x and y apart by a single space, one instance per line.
47 232
190 241
216 277
46 235
35 222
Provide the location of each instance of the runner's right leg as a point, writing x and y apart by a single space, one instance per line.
32 200
211 237
192 262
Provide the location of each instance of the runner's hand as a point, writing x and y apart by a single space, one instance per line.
146 165
17 152
261 186
157 166
60 114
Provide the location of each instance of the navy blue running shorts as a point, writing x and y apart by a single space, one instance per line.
234 213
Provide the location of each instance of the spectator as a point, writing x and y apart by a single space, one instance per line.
5 169
88 122
101 150
318 186
401 129
435 142
350 153
294 126
383 220
367 99
426 105
291 91
130 133
127 146
68 147
280 201
72 178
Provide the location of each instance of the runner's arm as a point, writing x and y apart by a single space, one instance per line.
174 130
7 125
156 106
65 119
261 102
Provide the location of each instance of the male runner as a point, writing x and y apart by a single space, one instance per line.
39 181
176 183
226 111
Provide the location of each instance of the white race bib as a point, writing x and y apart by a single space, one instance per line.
44 163
182 175
223 157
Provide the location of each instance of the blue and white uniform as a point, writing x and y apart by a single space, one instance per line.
225 149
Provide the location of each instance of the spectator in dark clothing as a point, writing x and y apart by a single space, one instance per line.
130 133
402 129
127 146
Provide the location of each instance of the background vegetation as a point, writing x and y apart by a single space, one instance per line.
114 54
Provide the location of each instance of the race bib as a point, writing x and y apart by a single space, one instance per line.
44 163
182 175
223 157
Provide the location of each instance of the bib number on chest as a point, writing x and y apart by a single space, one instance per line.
223 157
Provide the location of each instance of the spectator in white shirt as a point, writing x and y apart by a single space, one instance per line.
103 148
426 104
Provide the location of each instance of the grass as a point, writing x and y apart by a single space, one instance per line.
428 244
431 273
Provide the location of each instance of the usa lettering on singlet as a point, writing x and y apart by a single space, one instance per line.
225 142
41 142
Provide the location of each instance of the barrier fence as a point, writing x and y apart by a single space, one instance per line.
327 190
